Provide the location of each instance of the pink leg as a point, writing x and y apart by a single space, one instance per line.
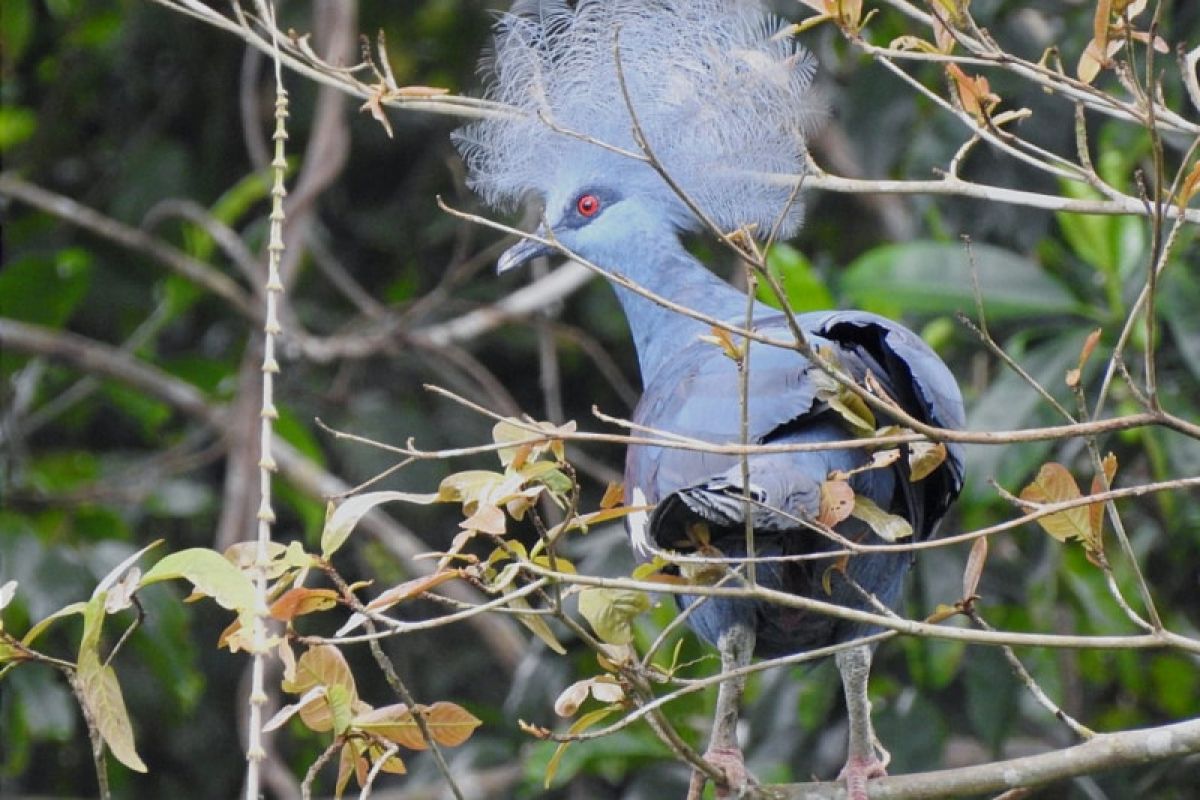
737 647
862 758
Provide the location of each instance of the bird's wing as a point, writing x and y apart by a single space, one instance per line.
696 395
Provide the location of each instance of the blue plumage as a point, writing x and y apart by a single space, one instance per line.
722 96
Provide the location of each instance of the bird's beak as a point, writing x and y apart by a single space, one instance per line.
523 252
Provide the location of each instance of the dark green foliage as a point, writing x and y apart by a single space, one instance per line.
122 105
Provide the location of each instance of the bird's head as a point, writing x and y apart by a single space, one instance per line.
592 219
717 89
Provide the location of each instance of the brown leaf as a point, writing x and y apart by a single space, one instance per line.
837 501
394 723
320 665
450 724
1054 484
301 600
614 495
974 569
1190 186
412 588
1089 345
974 92
1095 541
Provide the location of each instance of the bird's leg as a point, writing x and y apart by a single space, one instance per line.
863 760
736 646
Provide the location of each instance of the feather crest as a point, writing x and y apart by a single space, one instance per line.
723 98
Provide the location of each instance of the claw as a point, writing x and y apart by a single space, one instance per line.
859 770
730 763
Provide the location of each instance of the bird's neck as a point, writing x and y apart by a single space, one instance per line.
673 274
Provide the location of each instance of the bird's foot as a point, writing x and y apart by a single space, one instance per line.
730 763
859 770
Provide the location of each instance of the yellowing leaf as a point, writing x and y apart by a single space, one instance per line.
852 408
341 520
582 724
1191 184
610 612
394 723
209 573
924 458
1054 484
100 691
614 493
537 625
350 762
448 723
888 527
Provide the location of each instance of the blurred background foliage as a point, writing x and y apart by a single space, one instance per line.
125 107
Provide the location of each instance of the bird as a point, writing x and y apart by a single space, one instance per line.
636 123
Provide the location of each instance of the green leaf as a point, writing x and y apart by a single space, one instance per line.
100 691
1112 244
935 278
17 29
209 573
37 630
610 612
340 520
42 291
17 124
888 527
803 287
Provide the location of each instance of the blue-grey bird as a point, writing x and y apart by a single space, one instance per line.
722 98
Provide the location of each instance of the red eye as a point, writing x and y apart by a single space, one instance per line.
588 205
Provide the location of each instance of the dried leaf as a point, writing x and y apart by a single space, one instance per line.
1191 184
879 460
974 92
571 698
449 723
614 495
1054 484
301 600
974 569
837 501
1096 510
722 339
